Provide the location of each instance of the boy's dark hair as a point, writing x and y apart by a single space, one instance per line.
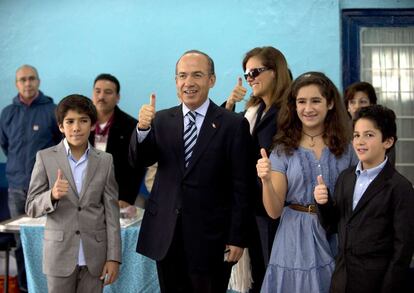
360 87
78 103
382 117
109 77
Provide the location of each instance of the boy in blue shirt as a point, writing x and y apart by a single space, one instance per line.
372 210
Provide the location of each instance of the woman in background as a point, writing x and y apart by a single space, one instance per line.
266 71
313 139
359 95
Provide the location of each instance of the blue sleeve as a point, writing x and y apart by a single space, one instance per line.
4 141
279 161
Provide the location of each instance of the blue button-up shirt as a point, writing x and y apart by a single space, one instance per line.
364 179
78 169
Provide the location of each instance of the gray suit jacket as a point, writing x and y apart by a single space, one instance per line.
92 215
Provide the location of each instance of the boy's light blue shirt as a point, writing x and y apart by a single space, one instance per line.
364 179
78 169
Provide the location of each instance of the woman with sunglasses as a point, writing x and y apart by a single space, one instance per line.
266 72
313 139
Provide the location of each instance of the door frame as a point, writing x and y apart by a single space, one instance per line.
352 21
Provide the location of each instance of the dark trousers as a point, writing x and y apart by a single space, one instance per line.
267 231
175 277
257 261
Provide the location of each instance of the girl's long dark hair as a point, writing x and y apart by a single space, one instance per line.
337 134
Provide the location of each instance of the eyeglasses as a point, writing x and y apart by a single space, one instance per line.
255 72
24 79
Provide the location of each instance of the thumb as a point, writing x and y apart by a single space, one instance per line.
152 100
320 180
59 175
240 81
263 153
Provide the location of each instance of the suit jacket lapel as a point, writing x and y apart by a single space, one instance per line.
63 163
93 162
269 115
176 135
210 125
349 193
374 187
114 133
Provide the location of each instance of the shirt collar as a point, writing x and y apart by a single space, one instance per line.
202 110
68 151
371 173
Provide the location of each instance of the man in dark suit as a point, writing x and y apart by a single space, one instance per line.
112 135
198 210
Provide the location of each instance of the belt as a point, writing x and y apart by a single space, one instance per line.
311 209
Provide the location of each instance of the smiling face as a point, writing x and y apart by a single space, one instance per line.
359 100
193 79
262 84
76 127
311 108
368 144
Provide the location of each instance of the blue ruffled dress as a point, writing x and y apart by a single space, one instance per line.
302 258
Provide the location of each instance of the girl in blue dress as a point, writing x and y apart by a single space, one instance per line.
312 139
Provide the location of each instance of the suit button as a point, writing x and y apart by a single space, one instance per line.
77 232
79 208
47 209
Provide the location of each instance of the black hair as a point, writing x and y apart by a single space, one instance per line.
109 77
383 119
78 103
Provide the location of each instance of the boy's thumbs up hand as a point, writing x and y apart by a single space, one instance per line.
147 113
321 191
61 186
263 166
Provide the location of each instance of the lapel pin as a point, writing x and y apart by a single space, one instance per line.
214 125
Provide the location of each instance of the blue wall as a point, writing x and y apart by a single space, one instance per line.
70 42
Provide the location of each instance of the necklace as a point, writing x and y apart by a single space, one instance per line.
312 143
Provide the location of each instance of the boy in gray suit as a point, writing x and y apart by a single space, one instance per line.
74 185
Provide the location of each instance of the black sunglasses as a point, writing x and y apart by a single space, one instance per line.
255 72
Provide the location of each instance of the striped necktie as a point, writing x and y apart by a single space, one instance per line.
190 137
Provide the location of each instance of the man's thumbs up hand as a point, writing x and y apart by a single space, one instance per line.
61 186
321 191
147 114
